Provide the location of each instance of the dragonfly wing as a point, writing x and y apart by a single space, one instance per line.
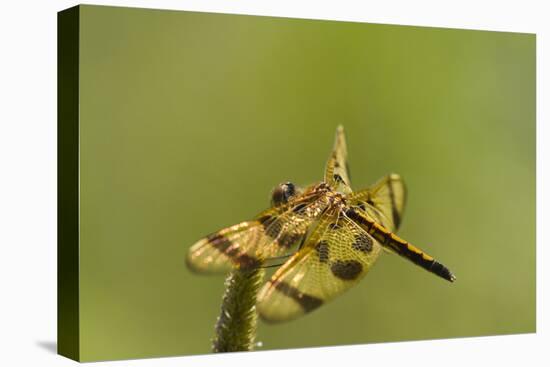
384 201
337 254
246 245
337 170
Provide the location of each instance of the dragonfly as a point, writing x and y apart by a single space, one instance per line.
326 237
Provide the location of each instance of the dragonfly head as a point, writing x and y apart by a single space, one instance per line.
282 193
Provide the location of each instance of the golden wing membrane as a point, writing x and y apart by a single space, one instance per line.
384 201
222 251
337 170
337 254
246 245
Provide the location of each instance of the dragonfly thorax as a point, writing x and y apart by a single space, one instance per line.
331 196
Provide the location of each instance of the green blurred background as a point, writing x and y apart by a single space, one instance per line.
188 120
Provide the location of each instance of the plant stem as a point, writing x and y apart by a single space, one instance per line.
236 325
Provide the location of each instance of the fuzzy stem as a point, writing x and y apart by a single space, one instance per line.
236 325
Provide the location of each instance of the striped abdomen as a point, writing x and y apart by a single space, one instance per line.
400 246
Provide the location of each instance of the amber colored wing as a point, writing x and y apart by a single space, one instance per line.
248 244
337 170
337 254
384 201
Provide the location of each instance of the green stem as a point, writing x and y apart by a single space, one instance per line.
236 325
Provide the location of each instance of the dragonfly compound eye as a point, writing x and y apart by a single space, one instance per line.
282 193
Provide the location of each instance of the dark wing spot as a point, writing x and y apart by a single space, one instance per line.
339 178
361 205
224 245
334 226
299 207
215 237
219 242
274 230
346 269
265 218
395 213
288 239
322 251
271 228
308 303
362 243
246 262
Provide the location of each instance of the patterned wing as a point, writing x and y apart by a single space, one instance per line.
336 170
248 244
384 201
335 257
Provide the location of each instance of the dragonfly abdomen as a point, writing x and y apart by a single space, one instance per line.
400 246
